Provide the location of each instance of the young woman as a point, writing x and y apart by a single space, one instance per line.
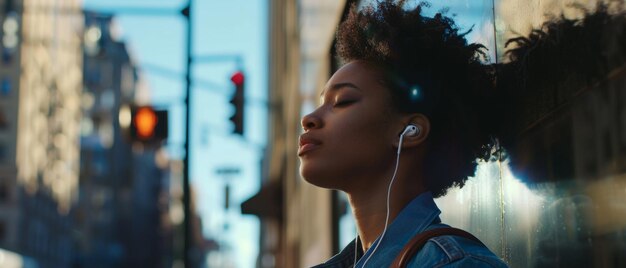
401 122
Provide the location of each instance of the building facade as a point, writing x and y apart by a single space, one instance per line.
40 112
109 82
124 184
9 98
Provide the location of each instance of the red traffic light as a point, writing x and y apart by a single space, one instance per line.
148 125
145 122
237 78
237 100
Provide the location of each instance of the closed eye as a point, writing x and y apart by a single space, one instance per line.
344 103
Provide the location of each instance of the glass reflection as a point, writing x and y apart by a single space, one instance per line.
563 78
497 207
557 200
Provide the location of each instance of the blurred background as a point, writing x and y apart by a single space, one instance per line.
163 133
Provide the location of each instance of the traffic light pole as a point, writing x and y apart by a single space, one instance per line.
187 11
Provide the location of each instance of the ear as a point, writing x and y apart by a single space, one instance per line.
423 125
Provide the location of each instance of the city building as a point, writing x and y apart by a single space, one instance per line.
41 77
9 98
124 183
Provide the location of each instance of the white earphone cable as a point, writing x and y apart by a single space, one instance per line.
356 242
388 195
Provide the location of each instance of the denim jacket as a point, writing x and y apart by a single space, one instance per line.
419 215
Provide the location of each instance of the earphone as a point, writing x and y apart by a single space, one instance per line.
409 131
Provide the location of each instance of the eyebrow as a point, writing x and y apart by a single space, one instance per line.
338 86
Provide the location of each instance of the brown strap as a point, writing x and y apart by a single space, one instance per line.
418 241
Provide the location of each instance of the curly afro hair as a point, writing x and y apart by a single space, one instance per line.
429 68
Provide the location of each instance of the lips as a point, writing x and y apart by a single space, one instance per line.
307 144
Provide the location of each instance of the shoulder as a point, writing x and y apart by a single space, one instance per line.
454 251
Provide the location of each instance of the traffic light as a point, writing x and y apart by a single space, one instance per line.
237 100
148 125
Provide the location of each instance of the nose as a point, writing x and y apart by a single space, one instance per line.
311 121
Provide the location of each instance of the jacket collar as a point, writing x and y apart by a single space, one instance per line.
420 213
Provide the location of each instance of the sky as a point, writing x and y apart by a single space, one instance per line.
235 27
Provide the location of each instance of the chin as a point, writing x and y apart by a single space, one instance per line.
308 175
314 177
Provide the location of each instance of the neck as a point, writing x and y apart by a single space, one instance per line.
369 204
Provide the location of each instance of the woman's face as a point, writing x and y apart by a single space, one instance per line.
352 133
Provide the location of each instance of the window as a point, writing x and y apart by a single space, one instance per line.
3 152
3 230
4 122
4 191
7 56
5 87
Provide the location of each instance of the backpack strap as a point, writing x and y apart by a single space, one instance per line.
418 241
